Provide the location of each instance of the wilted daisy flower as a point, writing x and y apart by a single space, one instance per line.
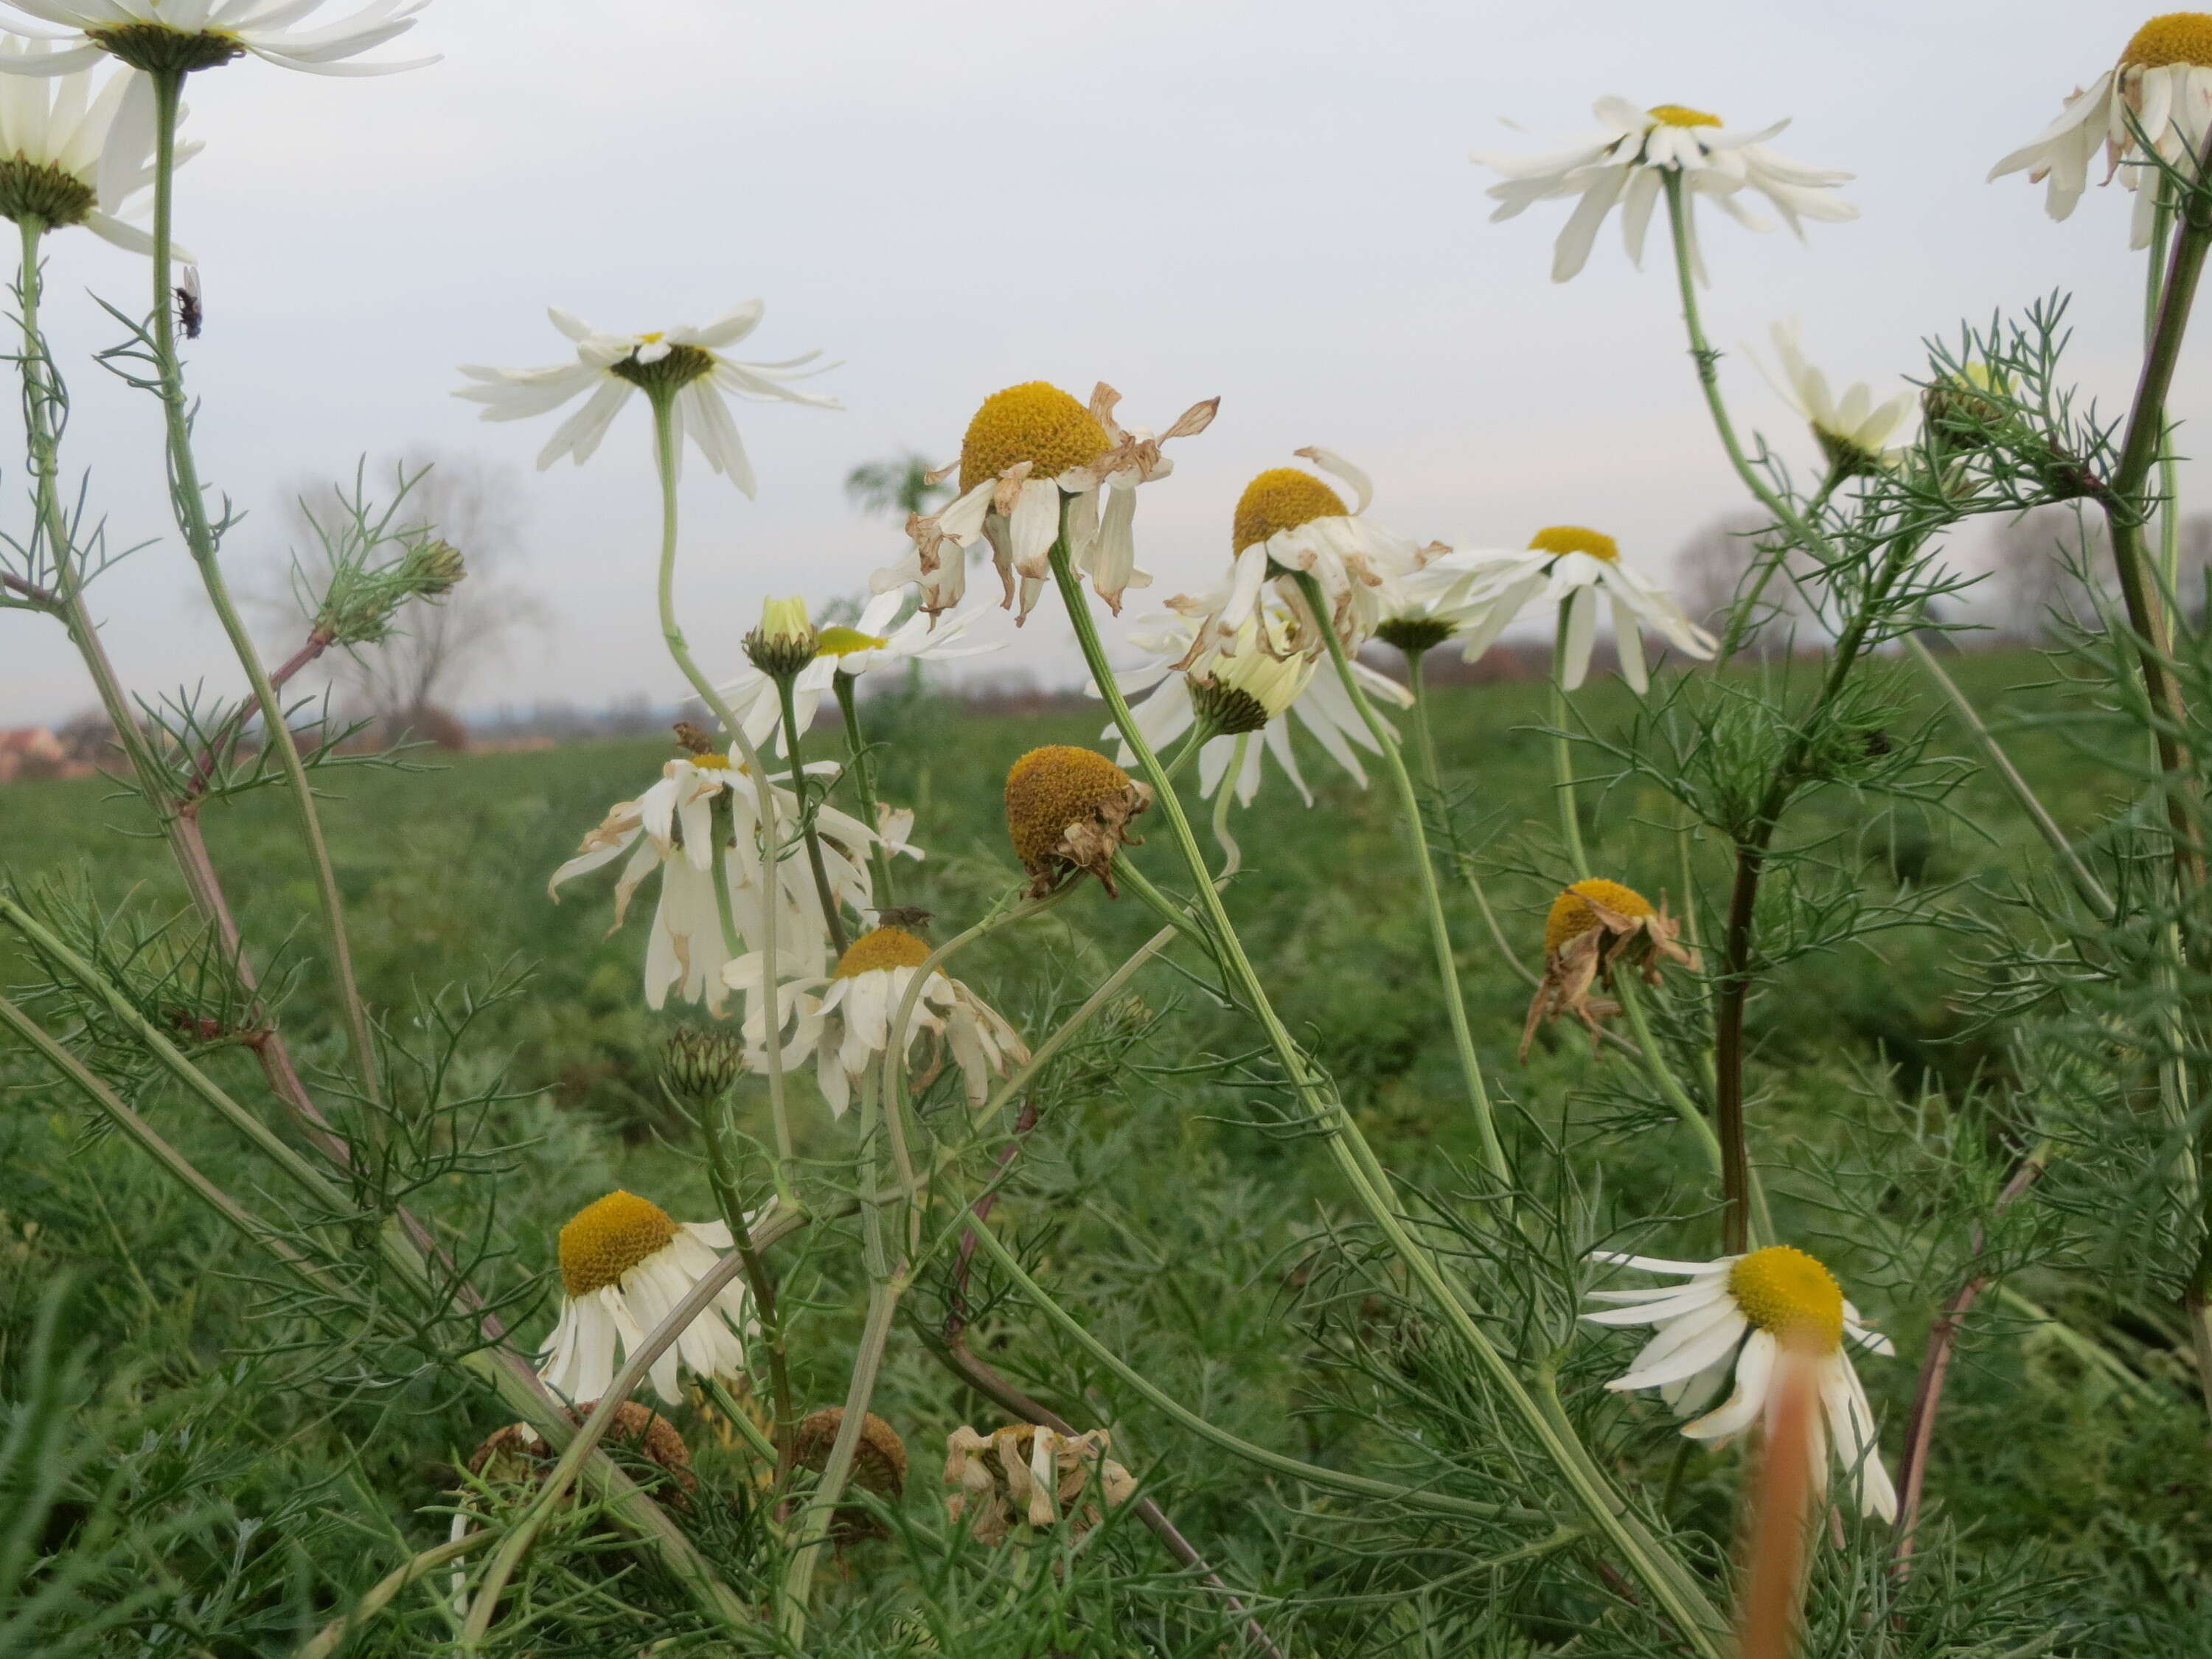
846 1019
1596 927
2161 88
72 155
1853 433
870 642
1027 448
1737 1312
1571 566
879 1468
1426 607
1247 690
1068 809
1024 1475
670 828
180 36
1625 164
625 1263
683 364
1288 520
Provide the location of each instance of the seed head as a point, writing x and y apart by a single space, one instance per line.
1037 422
518 1453
2173 37
879 1466
605 1239
1575 538
881 948
1067 809
1680 115
1572 915
1282 498
1790 1294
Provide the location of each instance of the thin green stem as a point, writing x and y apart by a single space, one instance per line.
1433 898
885 1286
187 498
333 1636
1312 1473
832 916
861 767
1680 1598
1563 758
663 455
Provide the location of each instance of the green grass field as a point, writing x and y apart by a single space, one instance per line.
2070 1472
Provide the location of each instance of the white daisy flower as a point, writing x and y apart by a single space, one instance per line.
1026 448
1287 521
184 35
1625 164
1572 567
671 828
625 1263
1853 432
2161 88
846 1019
70 155
684 363
1265 679
870 642
1735 1313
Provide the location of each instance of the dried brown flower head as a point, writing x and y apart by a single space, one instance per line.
1024 1475
879 1467
1069 809
518 1453
1593 927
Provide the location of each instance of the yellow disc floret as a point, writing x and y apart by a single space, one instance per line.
884 947
1037 422
1787 1293
2173 37
842 642
1681 115
710 763
1571 916
1279 499
1049 788
1574 538
606 1240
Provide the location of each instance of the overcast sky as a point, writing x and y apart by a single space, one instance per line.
1271 203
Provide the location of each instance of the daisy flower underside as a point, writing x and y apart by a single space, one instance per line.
1736 1315
1625 165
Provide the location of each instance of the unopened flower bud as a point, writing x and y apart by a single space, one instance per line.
433 569
785 641
1959 409
700 1066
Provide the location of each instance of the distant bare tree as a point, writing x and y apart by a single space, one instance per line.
2036 562
898 486
1709 570
409 680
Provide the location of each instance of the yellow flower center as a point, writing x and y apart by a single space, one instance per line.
710 763
653 338
2173 37
1051 787
606 1240
1787 1293
1282 498
1035 422
884 948
1574 539
1680 115
1571 916
844 642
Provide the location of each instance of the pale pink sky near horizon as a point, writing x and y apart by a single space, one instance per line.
1272 203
